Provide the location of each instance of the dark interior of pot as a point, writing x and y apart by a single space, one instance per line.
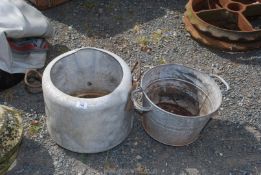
179 97
88 73
9 80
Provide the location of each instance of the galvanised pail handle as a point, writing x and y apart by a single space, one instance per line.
222 80
137 106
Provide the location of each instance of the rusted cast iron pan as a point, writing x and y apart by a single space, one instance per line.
10 137
46 4
226 18
217 43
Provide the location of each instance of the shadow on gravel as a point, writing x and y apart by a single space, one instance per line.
223 148
103 19
55 51
33 159
247 58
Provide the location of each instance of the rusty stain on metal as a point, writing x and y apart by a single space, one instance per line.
89 94
174 108
227 24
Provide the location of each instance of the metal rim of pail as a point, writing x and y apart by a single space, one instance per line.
181 116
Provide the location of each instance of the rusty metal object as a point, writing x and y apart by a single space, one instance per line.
227 24
136 76
46 4
216 42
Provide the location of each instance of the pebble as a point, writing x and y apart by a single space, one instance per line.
100 10
138 157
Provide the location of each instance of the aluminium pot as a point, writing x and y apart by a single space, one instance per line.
177 103
86 93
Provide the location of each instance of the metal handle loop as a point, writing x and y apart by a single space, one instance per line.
222 80
137 67
137 106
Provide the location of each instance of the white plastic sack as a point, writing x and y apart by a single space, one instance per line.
19 20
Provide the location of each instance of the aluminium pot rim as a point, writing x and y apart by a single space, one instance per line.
173 114
48 83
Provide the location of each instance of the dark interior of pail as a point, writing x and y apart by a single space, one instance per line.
179 97
88 73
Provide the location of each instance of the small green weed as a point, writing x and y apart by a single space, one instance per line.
89 5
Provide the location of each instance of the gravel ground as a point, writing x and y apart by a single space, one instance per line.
230 144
